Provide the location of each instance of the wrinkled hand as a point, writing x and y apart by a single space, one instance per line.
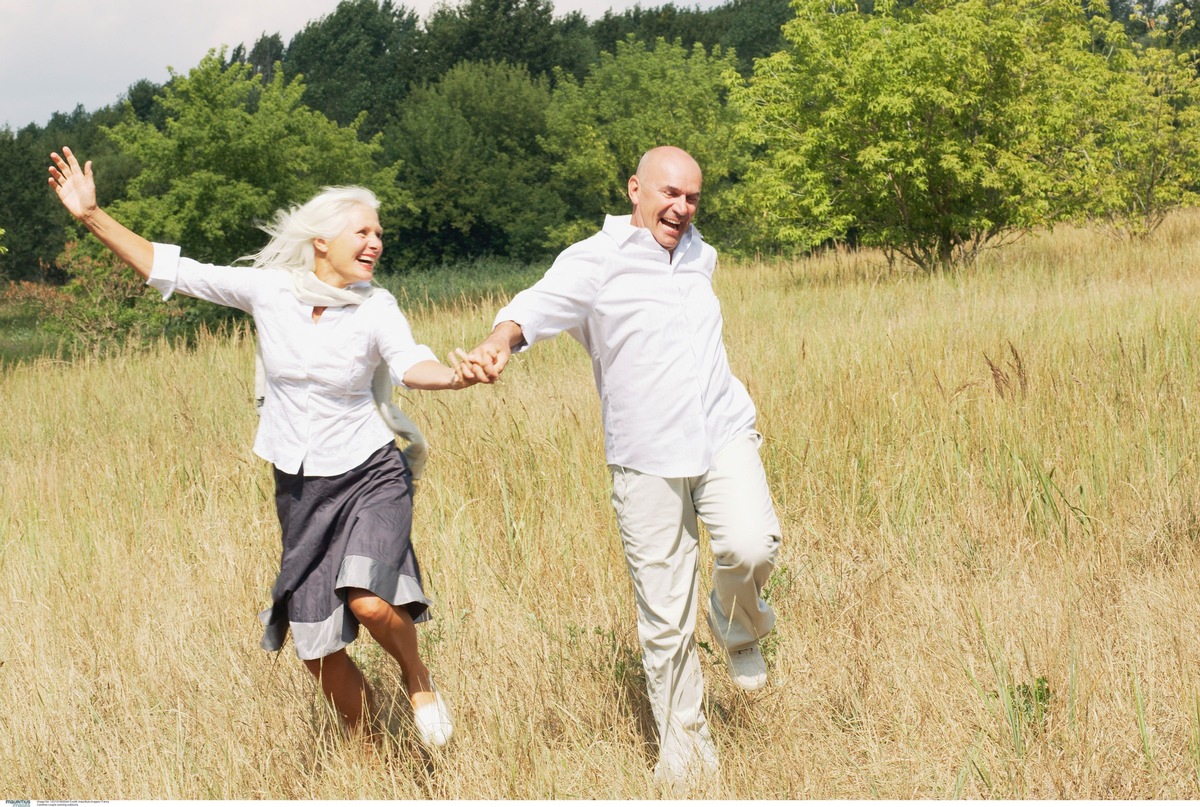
75 186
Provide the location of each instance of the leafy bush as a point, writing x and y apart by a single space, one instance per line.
105 302
929 131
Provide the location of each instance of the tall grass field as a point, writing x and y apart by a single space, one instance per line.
989 586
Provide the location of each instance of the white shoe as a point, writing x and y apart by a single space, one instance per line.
434 725
747 667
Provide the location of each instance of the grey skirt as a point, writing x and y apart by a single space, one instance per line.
342 532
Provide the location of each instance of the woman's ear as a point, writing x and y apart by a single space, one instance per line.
320 245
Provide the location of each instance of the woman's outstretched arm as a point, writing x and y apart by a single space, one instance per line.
433 375
76 189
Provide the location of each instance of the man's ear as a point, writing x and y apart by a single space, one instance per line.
633 187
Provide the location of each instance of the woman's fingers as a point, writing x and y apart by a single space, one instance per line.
58 170
71 161
67 166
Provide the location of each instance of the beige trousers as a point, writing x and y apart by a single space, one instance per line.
657 518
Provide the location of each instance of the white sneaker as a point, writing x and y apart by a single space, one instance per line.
747 667
434 725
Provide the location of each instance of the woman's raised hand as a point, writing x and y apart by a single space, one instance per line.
76 189
75 186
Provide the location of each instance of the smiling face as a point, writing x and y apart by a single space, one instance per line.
665 192
351 255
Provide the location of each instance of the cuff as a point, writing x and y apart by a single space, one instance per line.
416 356
165 271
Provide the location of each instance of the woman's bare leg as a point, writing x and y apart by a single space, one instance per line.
344 685
396 633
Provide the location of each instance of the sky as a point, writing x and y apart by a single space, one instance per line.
56 54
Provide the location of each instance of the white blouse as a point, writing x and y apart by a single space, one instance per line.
652 325
318 416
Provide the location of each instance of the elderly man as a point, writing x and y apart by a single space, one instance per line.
679 435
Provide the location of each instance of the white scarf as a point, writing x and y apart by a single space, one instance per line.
311 290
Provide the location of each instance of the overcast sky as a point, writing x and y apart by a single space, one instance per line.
55 54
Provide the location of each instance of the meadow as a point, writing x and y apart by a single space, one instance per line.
989 585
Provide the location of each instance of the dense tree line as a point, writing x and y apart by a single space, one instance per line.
930 128
456 108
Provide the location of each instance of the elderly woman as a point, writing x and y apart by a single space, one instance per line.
343 489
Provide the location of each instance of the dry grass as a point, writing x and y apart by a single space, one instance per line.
989 584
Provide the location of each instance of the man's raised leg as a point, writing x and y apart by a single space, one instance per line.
734 502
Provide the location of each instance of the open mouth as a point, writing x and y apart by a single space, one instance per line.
672 224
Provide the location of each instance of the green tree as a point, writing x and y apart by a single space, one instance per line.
629 102
1139 136
36 223
472 164
930 131
143 99
35 229
750 28
521 32
264 57
231 152
670 22
364 57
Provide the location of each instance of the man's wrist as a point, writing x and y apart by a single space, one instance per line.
498 345
507 335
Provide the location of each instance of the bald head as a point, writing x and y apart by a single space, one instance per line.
663 155
665 192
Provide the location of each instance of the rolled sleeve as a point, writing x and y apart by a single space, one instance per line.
404 362
397 346
164 274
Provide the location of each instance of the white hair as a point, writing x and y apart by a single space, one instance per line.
292 231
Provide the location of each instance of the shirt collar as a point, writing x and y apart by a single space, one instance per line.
621 229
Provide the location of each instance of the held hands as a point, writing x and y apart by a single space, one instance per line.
484 364
461 370
472 368
75 186
466 372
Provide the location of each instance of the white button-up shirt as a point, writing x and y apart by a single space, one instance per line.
652 326
319 412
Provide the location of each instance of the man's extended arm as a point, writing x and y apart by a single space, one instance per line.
561 300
